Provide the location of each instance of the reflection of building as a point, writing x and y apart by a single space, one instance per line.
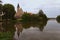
19 29
19 12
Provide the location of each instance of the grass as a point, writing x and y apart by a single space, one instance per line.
6 36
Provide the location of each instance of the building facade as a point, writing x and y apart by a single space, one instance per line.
19 12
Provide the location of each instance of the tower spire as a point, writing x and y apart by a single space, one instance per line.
19 12
0 2
18 5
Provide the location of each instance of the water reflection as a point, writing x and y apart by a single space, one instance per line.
1 28
19 28
58 21
39 25
11 30
26 25
8 26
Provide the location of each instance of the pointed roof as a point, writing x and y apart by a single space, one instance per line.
18 5
0 1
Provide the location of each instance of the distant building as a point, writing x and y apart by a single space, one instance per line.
19 12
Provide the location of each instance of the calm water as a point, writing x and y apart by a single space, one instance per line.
49 30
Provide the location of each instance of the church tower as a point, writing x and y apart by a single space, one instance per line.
19 12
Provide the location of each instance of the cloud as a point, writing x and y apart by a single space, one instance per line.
48 6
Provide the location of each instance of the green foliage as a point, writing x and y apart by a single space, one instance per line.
42 15
6 36
8 26
40 24
9 11
8 30
28 17
58 18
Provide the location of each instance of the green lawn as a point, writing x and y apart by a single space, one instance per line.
6 36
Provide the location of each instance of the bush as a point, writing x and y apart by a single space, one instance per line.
58 18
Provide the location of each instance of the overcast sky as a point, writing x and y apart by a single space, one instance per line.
50 7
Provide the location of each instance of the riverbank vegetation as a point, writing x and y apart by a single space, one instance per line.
28 17
7 30
9 12
39 25
58 18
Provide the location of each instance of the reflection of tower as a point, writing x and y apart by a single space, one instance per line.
19 30
19 12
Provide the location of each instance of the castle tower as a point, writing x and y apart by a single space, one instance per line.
19 12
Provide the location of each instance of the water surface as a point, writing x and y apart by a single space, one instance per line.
44 30
51 31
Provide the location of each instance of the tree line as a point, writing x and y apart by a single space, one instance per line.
9 12
58 18
30 17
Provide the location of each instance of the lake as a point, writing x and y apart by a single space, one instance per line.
48 30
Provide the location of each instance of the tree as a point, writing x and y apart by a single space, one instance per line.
0 7
58 18
41 12
9 11
1 10
42 15
26 17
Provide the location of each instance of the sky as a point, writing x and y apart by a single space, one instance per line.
50 7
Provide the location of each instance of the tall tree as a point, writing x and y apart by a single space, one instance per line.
58 18
9 11
0 7
42 15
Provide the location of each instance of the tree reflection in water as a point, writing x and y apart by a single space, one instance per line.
58 21
20 25
39 24
8 28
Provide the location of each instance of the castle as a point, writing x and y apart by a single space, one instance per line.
19 12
